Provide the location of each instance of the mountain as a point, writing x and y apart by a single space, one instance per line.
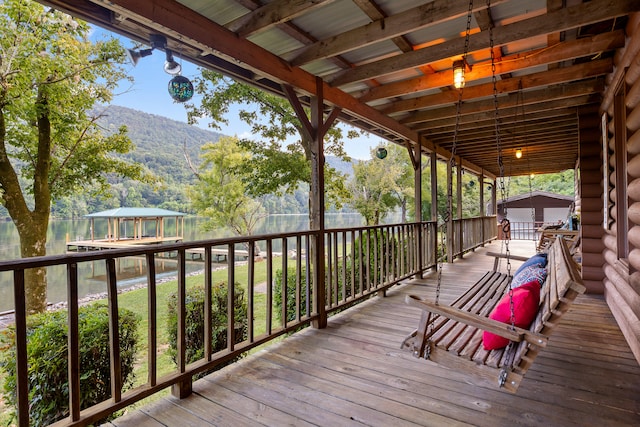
160 144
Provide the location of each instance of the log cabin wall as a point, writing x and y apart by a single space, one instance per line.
589 201
621 222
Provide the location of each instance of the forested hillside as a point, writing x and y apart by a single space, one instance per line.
160 144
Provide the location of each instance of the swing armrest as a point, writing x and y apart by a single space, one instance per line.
513 257
497 257
502 329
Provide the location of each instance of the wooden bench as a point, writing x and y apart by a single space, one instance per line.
452 335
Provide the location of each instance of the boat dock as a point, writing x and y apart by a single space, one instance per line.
194 254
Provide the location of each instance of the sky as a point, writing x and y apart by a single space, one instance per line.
148 93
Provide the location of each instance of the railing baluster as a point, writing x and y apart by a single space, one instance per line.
73 341
251 269
344 266
336 270
376 259
353 263
298 275
270 286
231 297
285 284
208 284
114 336
22 369
152 307
307 260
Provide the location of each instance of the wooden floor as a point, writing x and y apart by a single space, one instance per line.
354 373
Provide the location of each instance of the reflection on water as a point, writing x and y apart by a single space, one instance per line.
91 275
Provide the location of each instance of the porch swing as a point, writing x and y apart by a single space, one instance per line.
454 336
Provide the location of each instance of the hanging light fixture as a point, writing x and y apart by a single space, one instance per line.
170 65
381 153
458 73
519 153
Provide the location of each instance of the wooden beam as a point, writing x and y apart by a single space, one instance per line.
588 88
572 17
565 51
272 14
515 84
384 29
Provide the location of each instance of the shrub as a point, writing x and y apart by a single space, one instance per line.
195 321
379 242
47 351
291 293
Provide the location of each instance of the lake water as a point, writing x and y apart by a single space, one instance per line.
91 275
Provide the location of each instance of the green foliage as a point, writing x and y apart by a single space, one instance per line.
48 366
375 187
291 293
348 268
276 165
220 194
195 300
50 144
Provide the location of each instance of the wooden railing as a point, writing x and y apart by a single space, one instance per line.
471 233
357 263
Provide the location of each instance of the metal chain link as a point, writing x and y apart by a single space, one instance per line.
510 350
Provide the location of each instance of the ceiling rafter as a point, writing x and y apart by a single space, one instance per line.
565 51
384 28
272 14
583 14
545 78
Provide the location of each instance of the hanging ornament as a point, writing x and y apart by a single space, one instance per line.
381 153
180 89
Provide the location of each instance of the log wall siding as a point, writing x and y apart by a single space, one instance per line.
590 203
621 254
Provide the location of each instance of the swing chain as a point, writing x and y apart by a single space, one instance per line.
448 213
510 351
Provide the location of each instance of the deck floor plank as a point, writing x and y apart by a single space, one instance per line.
354 373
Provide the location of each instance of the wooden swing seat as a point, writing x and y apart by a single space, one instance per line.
455 340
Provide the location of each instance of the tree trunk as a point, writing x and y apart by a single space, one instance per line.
32 225
33 239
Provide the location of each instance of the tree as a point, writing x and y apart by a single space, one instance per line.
277 165
373 189
220 194
50 77
403 191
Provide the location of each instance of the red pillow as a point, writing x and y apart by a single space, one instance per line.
526 299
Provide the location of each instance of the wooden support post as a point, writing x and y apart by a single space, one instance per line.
459 204
449 222
313 131
415 155
483 211
433 162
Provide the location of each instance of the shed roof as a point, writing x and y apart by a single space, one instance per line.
135 213
537 193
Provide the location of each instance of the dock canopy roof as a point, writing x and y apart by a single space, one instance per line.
135 213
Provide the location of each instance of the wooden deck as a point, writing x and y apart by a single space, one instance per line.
354 373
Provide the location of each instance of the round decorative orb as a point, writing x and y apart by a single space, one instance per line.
180 89
381 153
